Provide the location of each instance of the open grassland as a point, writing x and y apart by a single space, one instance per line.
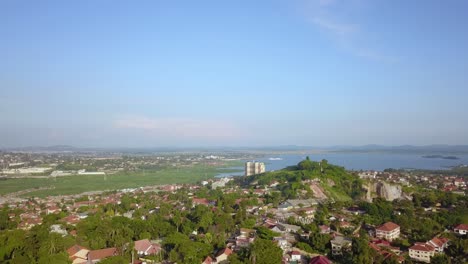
85 183
336 194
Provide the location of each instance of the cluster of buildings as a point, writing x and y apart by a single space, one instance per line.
301 210
388 232
342 225
15 164
423 252
446 183
82 255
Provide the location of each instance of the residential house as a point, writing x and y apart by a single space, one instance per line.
78 254
53 210
295 204
388 231
144 247
282 243
209 260
422 252
459 182
383 248
340 244
58 229
439 243
304 215
200 201
461 229
94 256
296 256
245 237
324 229
288 228
223 255
71 219
29 223
345 224
220 183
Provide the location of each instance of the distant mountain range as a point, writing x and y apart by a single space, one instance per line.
372 148
404 148
56 148
426 150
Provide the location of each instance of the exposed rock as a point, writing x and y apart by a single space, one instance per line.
383 189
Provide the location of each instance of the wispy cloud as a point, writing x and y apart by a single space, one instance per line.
329 16
209 130
335 27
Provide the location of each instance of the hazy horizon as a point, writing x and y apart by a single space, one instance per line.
262 73
370 147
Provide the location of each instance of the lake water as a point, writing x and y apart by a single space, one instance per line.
361 161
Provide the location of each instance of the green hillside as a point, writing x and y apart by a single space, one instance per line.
335 181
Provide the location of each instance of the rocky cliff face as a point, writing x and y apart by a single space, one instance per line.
385 190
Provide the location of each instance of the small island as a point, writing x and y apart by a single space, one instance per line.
440 157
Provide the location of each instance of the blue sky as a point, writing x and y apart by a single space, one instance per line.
233 73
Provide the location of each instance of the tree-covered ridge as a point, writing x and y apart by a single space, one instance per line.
337 183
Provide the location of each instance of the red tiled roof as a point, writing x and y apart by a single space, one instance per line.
380 242
208 260
102 253
319 260
203 201
462 227
146 247
439 241
226 251
72 219
344 224
74 249
387 227
142 245
422 247
374 246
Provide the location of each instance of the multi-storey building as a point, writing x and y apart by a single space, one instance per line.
252 168
439 243
422 252
340 244
388 231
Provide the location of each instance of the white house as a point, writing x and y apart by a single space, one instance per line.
295 256
439 243
461 229
388 231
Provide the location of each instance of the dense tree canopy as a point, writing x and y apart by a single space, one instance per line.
265 252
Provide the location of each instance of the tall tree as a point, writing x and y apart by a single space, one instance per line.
361 251
265 252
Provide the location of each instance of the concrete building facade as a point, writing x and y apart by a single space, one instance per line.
252 168
422 252
388 231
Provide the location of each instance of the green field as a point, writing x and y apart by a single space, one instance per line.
84 183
